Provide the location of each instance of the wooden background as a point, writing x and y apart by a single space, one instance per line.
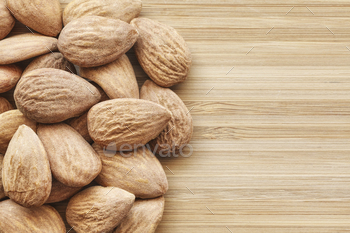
272 138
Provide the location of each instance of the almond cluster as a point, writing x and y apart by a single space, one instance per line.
92 138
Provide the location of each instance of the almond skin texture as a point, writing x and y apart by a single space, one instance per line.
4 106
117 78
16 218
162 52
2 192
61 192
51 95
50 60
179 130
147 178
124 10
44 16
98 209
95 41
25 46
26 173
7 22
9 123
73 161
9 76
126 123
144 217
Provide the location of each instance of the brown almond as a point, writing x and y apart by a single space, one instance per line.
178 132
9 76
73 161
61 192
51 95
126 123
50 60
162 52
138 172
95 41
117 78
7 22
98 209
26 173
9 123
5 105
2 192
144 217
22 47
16 218
44 17
124 10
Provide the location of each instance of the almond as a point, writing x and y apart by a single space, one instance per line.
162 52
94 41
50 60
98 209
26 173
7 22
22 47
61 192
43 16
124 10
4 106
73 161
9 123
126 123
117 78
2 192
43 219
144 217
9 76
179 130
51 95
138 172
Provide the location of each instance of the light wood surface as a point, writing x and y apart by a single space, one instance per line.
272 138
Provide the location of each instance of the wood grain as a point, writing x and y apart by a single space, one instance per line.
271 143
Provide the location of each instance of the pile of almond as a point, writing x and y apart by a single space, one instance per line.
90 138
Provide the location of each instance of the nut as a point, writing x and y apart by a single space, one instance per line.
26 173
2 192
145 175
61 192
4 106
162 52
73 161
126 123
124 10
9 76
95 41
7 22
51 95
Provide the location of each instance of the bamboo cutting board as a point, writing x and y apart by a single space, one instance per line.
270 97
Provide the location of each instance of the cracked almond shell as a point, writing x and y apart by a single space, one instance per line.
51 60
51 95
9 76
126 123
44 17
95 41
5 105
25 46
7 21
162 52
73 161
144 216
9 123
179 130
145 175
124 10
98 209
16 218
26 173
117 78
